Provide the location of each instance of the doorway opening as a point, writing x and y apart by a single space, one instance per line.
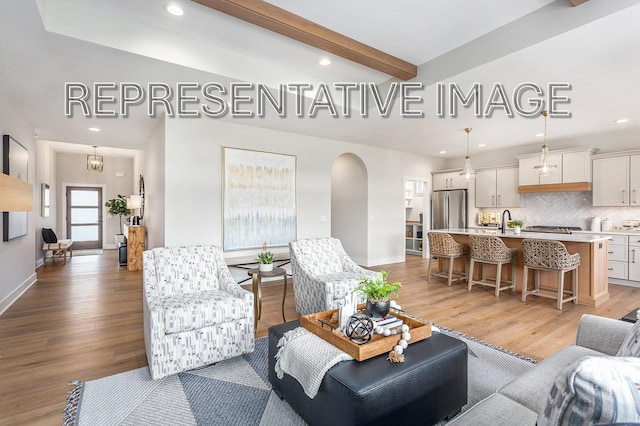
418 215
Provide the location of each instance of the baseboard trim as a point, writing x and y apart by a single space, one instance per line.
15 294
383 261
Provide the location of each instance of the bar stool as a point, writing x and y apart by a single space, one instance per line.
443 245
492 250
548 255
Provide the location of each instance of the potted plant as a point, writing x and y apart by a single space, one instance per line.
265 259
118 206
516 225
378 293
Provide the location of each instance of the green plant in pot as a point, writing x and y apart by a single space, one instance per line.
378 293
516 225
265 259
118 206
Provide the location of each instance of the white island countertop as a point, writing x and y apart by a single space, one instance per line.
576 237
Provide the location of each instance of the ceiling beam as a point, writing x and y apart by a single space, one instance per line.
577 2
278 20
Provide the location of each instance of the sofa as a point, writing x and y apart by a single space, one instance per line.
195 314
323 274
602 366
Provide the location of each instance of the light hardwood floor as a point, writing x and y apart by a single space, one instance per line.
83 320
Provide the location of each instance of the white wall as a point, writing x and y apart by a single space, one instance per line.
153 171
45 173
17 257
193 177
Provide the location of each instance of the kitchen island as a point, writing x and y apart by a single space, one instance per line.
593 287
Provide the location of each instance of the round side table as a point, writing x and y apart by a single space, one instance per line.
256 280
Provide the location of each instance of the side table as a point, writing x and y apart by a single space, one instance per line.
256 280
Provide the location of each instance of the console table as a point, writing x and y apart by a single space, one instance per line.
135 235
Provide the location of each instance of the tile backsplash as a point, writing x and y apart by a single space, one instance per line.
566 209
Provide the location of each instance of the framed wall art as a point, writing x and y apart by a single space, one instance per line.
259 199
15 163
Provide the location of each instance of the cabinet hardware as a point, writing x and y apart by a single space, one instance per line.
493 200
634 256
610 252
499 202
624 193
610 269
635 201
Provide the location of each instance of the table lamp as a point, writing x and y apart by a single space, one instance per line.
134 202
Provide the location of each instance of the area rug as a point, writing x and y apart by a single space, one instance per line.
237 391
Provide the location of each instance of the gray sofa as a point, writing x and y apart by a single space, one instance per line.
520 401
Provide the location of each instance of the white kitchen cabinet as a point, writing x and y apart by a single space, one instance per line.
497 188
634 258
449 180
576 167
634 181
573 167
611 181
618 260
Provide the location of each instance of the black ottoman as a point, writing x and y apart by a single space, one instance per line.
429 385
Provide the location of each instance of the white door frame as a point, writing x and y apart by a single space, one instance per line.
104 209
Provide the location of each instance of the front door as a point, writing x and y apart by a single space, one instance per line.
84 217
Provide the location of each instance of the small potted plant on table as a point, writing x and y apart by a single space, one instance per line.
378 293
265 259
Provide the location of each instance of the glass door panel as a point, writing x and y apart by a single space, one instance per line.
84 217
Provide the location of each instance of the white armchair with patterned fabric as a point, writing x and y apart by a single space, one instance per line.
323 274
195 314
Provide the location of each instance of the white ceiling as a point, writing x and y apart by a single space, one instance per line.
592 47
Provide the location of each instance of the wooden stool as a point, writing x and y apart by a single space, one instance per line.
492 250
548 255
443 245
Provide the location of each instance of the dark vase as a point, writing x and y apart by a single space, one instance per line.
378 309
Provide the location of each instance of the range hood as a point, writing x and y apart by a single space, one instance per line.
555 187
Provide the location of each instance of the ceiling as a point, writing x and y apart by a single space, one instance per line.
591 47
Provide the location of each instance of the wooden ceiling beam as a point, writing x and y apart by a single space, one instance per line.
15 195
577 2
278 20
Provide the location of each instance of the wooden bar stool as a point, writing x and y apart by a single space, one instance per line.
548 255
492 250
443 245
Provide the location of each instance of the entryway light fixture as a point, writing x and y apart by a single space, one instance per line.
468 171
544 168
94 162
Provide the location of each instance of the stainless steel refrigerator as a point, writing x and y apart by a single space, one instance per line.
449 209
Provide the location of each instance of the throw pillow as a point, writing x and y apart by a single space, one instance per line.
594 390
49 236
631 344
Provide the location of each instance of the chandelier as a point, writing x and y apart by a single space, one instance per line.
467 171
94 162
544 168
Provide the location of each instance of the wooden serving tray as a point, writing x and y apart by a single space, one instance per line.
378 345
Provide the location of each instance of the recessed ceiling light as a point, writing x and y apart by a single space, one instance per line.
94 129
325 61
622 120
481 145
443 152
174 9
539 135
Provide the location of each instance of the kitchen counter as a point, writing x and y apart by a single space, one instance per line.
612 231
593 287
577 236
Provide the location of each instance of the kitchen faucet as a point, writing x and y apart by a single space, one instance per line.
504 225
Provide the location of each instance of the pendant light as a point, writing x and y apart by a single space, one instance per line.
468 171
544 168
94 162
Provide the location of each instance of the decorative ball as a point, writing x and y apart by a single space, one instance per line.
359 328
379 329
403 343
393 303
404 328
398 349
386 332
406 336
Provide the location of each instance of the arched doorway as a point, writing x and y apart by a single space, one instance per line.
349 205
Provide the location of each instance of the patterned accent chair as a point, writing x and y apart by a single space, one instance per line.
195 314
323 274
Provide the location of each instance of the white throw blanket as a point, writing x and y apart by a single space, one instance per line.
306 357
